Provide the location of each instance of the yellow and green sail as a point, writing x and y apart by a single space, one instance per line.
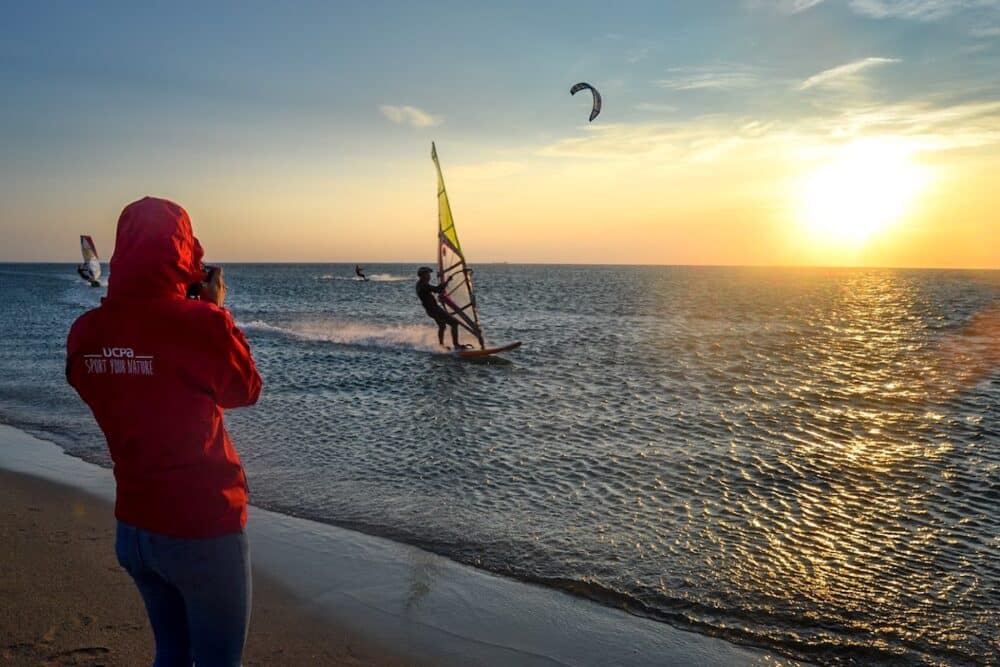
458 299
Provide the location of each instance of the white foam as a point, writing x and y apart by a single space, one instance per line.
82 294
67 276
387 278
375 278
401 336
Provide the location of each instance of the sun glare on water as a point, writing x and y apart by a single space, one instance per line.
866 187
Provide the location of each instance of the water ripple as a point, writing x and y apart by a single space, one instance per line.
805 460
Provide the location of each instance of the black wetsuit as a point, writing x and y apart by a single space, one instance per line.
426 292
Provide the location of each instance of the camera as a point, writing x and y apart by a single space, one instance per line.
194 289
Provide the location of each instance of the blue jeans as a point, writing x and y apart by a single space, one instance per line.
197 593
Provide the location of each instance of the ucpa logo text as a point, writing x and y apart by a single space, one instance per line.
118 352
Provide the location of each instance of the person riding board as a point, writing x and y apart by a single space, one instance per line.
360 272
426 292
85 273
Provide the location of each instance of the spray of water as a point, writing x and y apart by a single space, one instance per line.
375 278
346 332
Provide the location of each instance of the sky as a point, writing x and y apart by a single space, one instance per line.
744 132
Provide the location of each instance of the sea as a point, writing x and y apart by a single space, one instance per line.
803 460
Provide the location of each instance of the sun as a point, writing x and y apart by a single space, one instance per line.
866 187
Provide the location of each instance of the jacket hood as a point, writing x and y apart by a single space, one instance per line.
156 252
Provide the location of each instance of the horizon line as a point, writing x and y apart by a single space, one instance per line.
636 264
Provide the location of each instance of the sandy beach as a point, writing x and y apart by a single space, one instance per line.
66 601
322 595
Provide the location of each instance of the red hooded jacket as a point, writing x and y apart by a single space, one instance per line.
157 370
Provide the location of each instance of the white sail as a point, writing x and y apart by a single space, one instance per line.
459 297
91 263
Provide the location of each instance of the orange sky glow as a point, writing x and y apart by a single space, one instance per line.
874 148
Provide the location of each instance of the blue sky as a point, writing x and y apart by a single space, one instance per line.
304 102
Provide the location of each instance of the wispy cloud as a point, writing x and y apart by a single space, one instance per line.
986 31
716 77
655 107
924 126
486 171
783 6
915 10
796 6
844 73
969 125
407 115
638 54
695 139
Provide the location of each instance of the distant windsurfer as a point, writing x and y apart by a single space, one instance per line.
426 292
359 271
85 273
90 270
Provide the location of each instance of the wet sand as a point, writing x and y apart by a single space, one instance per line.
64 600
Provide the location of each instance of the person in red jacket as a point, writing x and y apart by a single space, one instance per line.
157 370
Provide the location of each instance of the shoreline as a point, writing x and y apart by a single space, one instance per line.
67 602
384 599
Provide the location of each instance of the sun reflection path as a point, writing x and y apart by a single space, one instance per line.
843 513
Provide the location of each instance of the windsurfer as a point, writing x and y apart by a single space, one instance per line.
90 270
426 292
86 274
359 271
